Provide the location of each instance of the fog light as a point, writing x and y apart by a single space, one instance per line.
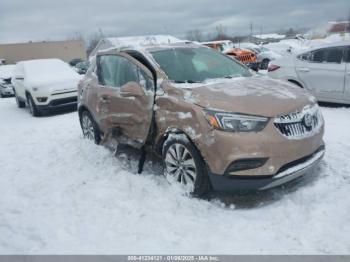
245 164
41 99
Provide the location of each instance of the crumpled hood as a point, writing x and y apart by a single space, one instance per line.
252 95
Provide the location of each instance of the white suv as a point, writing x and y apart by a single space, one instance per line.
45 84
324 71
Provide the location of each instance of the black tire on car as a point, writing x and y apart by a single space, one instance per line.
184 164
32 106
19 103
89 127
264 64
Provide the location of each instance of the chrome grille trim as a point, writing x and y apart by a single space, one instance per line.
298 125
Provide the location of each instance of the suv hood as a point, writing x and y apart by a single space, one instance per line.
257 95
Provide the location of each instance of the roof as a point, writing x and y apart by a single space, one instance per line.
142 40
216 42
270 36
135 42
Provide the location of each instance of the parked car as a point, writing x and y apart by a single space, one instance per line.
6 72
226 47
324 71
263 54
82 67
75 61
214 123
44 85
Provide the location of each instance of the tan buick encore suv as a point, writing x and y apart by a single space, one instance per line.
215 124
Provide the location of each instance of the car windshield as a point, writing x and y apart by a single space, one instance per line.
193 65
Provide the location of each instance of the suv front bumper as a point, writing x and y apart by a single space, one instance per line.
287 173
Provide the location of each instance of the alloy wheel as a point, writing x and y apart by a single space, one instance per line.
180 165
30 104
88 127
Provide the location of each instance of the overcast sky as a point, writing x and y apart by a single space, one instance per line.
24 20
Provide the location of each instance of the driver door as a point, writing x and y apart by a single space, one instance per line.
125 97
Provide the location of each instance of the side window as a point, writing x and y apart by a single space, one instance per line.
108 66
319 56
145 81
305 56
347 55
127 72
334 55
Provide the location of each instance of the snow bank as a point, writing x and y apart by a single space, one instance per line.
61 194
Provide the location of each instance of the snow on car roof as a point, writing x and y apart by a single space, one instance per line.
41 71
216 42
143 40
6 71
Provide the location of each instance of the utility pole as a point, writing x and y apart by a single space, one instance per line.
251 31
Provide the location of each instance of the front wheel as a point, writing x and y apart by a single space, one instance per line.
183 164
32 106
89 127
19 103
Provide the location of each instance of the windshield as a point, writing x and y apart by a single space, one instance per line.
193 65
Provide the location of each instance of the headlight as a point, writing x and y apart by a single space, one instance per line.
235 122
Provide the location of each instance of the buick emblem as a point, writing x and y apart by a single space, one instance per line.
307 120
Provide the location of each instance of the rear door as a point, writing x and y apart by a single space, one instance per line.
125 97
322 71
347 74
18 81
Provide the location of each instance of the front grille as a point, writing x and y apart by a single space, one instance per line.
63 101
300 124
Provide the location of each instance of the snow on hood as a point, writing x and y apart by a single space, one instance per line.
50 73
258 95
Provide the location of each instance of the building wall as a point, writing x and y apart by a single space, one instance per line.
64 50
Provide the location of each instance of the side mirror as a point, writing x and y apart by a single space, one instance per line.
131 89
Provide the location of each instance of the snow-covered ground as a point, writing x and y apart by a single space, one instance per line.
62 194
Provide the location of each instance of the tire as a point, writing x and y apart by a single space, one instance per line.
184 164
264 64
19 103
89 127
32 106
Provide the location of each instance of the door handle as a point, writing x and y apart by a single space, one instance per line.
104 99
304 70
126 94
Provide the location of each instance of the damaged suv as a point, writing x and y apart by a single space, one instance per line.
215 124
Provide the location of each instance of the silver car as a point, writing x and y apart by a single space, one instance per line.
324 71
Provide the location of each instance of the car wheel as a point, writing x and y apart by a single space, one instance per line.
183 164
19 103
32 106
264 64
89 128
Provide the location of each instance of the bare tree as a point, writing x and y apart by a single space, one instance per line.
195 35
220 32
93 40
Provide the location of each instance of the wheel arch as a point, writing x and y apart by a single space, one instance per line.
160 142
296 82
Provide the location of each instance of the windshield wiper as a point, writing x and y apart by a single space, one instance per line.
186 81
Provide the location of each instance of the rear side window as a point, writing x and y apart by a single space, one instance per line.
319 56
116 71
107 67
305 56
334 55
347 55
